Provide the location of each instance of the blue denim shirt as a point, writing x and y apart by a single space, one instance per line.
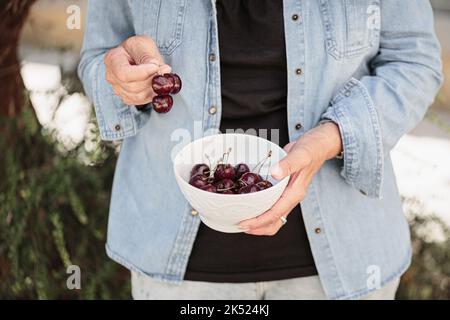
371 66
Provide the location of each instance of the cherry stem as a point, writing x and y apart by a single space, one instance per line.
226 189
262 162
243 182
270 164
210 166
227 155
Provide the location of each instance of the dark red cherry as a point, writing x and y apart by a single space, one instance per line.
224 171
264 184
248 189
210 188
200 169
224 185
240 169
162 104
249 178
163 84
198 181
177 84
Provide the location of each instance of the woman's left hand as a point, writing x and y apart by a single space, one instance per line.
305 157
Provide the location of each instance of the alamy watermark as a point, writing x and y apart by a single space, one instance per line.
246 150
73 21
373 277
74 280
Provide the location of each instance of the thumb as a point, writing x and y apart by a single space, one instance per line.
289 146
162 67
147 59
143 50
294 161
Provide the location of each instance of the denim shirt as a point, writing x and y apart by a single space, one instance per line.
371 66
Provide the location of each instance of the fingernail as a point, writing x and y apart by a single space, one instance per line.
277 171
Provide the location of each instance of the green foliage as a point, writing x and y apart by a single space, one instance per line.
53 213
429 274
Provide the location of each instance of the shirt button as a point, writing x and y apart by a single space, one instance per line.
298 71
317 230
295 17
212 110
298 126
117 127
212 57
194 212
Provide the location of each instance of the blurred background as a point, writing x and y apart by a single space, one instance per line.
56 174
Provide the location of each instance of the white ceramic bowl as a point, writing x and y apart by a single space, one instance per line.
219 211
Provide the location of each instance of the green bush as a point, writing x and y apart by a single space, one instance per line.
429 274
53 213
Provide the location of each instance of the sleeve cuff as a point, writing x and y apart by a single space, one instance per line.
116 120
353 111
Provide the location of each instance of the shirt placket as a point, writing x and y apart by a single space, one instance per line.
294 20
213 102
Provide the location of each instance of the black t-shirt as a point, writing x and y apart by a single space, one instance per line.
254 95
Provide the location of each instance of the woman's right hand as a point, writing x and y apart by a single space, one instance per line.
131 67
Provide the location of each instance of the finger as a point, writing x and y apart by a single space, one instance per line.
132 87
136 87
293 194
143 49
282 207
289 146
165 68
269 230
137 99
141 98
124 71
297 159
134 73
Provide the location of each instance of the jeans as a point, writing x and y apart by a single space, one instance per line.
305 288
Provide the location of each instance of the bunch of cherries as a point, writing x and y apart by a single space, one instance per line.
165 85
227 179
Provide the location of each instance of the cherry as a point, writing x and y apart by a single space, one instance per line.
249 178
200 169
209 188
248 189
264 184
198 181
240 169
177 84
228 179
163 84
224 185
224 171
162 104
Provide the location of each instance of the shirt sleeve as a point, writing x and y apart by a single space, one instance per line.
375 111
108 24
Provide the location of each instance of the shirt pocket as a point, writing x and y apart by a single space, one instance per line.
163 20
352 27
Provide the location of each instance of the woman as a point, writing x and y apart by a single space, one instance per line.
335 82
